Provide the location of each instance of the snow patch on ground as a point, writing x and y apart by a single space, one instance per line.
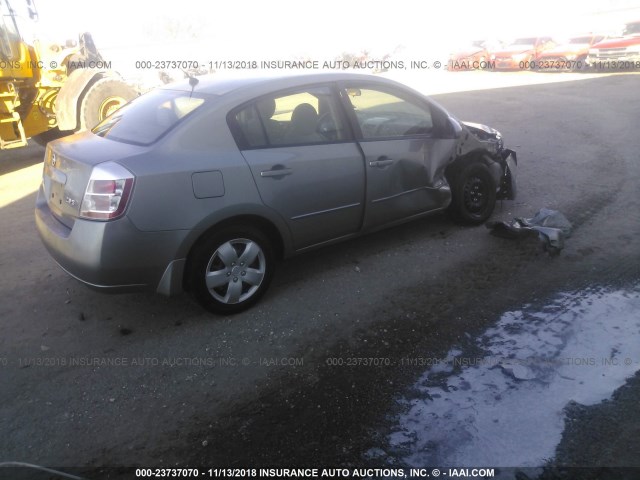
506 406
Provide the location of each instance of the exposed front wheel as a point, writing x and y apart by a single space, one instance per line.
231 269
473 194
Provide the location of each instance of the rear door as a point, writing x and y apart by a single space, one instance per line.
404 161
305 162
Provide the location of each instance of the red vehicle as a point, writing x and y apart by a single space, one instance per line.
521 53
473 57
617 53
568 56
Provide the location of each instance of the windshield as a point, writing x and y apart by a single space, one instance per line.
632 29
525 41
580 40
149 117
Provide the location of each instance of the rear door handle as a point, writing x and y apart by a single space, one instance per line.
381 162
279 172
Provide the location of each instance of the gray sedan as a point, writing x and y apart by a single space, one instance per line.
203 185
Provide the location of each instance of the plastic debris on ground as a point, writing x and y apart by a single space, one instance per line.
551 227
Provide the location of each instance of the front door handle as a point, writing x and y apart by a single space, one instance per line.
276 172
381 162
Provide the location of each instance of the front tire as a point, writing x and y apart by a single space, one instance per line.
473 194
231 269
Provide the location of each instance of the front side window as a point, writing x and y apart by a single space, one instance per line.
381 114
147 118
310 116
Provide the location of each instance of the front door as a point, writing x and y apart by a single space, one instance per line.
404 162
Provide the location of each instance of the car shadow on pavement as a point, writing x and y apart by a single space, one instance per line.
14 160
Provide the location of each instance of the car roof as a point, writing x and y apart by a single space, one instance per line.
223 85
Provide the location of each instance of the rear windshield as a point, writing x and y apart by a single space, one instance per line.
149 117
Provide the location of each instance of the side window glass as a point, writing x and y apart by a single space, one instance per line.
9 37
306 117
251 127
384 115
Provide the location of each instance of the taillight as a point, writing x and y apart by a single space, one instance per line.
107 193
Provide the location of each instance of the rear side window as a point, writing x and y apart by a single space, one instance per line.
147 118
309 116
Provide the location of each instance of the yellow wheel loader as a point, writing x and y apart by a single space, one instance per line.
48 90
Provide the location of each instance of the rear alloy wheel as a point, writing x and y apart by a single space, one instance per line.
474 194
230 270
103 98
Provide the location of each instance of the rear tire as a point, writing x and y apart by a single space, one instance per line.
102 99
473 194
230 269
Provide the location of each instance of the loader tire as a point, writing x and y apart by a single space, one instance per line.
103 98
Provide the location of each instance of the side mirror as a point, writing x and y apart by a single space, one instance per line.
447 128
354 92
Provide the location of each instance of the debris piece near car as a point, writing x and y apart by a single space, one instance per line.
551 227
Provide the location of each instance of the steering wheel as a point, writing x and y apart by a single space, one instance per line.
382 125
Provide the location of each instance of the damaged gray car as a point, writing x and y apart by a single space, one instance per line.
203 185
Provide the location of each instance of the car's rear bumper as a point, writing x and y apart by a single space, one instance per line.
112 256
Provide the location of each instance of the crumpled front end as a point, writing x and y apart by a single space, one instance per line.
480 142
